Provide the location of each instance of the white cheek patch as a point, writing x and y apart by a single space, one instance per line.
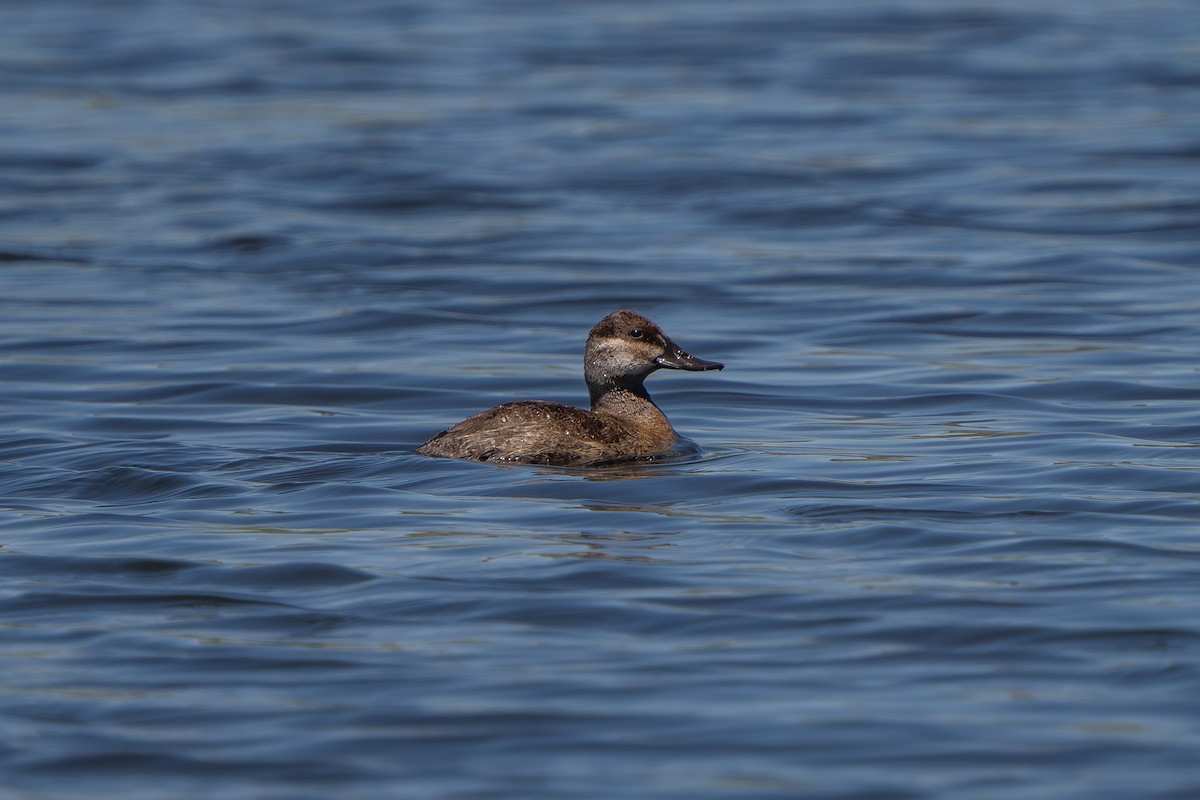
621 356
607 347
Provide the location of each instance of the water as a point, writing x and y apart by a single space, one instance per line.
940 541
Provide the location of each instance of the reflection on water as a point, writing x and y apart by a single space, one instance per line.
934 535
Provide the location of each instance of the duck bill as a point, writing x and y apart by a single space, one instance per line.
677 358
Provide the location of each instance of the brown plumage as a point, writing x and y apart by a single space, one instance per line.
622 350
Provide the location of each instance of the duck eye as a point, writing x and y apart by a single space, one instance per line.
636 333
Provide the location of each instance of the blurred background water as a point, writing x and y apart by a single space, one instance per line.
942 538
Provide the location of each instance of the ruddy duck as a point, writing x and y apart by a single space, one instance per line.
622 350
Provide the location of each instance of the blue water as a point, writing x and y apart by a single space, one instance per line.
942 539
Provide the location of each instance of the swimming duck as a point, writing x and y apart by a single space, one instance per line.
622 350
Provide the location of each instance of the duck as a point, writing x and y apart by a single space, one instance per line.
623 423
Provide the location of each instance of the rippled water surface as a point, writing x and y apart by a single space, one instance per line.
942 537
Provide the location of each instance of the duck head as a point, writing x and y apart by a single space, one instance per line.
625 347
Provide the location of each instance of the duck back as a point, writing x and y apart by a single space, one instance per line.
539 432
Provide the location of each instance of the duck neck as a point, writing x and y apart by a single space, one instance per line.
627 399
630 411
